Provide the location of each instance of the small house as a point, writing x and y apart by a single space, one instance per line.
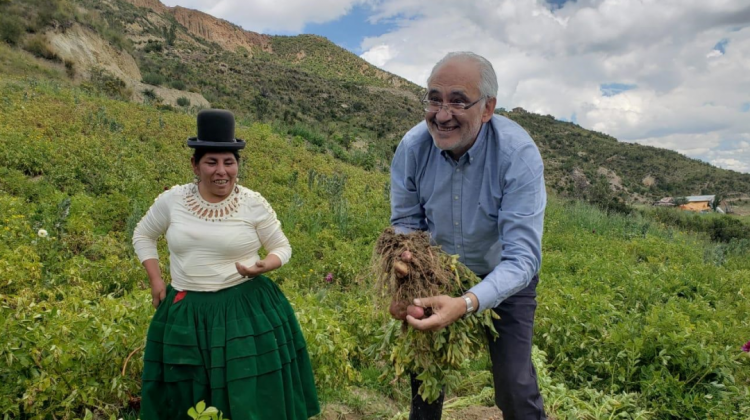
699 203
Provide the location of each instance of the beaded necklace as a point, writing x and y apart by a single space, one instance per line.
213 212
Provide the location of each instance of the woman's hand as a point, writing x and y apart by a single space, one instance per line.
251 271
158 292
271 262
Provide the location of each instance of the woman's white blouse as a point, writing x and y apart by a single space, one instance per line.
206 239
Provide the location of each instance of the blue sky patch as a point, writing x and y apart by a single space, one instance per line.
721 46
557 4
349 30
573 118
745 107
612 89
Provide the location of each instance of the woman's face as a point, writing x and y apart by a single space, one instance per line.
217 172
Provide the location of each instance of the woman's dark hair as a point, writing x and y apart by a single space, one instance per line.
201 151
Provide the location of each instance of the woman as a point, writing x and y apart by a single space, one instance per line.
223 333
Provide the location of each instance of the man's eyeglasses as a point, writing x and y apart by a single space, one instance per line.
453 108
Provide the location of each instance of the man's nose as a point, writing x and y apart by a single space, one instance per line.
443 115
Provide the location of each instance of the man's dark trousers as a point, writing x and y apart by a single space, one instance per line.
516 388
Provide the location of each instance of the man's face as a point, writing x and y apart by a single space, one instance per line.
457 81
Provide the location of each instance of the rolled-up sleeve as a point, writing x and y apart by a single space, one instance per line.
270 234
407 212
154 224
520 225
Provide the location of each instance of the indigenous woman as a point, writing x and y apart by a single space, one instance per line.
223 332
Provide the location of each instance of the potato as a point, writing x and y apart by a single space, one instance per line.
415 311
402 270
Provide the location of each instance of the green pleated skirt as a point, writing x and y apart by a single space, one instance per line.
240 350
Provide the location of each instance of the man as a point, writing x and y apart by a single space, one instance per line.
475 181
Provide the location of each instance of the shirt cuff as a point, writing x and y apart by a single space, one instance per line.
485 293
490 293
147 255
283 255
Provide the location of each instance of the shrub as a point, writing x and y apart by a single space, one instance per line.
70 68
308 134
38 46
183 101
153 46
177 84
153 79
109 84
10 30
150 94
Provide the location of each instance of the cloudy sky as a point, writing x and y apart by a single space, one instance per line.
666 73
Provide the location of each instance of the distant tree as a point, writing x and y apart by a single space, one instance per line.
717 202
170 35
261 105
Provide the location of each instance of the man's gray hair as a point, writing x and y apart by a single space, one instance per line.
488 78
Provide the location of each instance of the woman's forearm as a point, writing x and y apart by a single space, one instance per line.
272 262
153 270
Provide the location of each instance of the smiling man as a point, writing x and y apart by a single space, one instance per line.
475 181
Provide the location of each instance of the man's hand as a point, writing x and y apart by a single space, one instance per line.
158 292
252 271
445 311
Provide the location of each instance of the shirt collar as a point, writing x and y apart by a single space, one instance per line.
474 150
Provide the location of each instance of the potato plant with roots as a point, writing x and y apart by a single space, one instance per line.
425 270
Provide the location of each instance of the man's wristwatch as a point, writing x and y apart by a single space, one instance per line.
469 306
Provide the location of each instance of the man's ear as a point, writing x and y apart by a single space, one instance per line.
489 109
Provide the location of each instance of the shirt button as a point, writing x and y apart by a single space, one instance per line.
458 169
458 246
456 223
455 197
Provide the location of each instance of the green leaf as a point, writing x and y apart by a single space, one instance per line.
201 407
192 413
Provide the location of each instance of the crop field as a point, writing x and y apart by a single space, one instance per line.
636 318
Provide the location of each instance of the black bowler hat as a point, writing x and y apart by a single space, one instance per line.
216 131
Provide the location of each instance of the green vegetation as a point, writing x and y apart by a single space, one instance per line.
201 412
641 312
635 319
357 112
718 227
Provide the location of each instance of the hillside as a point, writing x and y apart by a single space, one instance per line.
635 320
175 57
577 159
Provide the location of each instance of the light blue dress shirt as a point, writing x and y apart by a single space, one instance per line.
487 207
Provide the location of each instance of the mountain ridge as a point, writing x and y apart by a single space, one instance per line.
333 100
228 35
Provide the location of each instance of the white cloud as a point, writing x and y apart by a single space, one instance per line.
688 95
730 163
378 55
271 15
